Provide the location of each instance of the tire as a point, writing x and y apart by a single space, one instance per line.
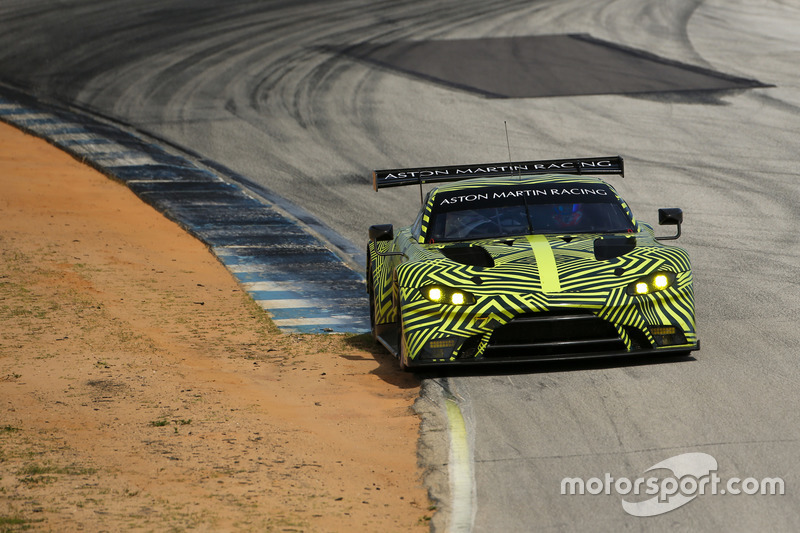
372 327
371 294
402 348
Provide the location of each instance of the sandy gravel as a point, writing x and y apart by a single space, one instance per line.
142 390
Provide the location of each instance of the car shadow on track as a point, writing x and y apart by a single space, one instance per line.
388 368
547 367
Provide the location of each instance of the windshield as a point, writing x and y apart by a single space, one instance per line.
493 214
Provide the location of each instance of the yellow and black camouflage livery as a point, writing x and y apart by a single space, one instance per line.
497 292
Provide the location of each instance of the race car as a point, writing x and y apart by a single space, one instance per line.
521 261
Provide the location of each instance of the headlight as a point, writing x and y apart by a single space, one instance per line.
655 282
441 294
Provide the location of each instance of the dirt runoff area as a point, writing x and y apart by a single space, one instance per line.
142 390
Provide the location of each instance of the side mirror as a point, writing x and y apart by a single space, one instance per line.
670 216
381 232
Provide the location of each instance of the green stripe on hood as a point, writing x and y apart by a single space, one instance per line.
546 263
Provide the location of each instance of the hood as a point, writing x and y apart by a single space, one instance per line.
563 263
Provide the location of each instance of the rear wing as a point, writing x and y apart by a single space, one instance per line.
417 176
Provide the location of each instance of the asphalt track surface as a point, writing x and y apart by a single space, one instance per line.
276 92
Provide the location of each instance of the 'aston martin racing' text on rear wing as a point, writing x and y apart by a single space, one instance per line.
417 176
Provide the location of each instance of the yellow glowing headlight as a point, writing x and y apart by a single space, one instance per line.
441 294
652 283
660 281
435 294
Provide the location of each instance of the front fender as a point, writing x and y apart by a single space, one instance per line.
380 279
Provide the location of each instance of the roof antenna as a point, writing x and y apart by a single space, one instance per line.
508 144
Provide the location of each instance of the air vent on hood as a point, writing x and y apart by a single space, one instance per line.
468 255
606 248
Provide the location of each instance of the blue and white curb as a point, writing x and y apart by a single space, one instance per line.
290 272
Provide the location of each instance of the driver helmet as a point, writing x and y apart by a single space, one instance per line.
567 215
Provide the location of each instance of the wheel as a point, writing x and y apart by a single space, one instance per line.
372 328
402 347
371 294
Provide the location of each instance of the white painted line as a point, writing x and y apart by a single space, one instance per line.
261 286
102 149
462 478
152 181
231 249
307 285
321 321
243 268
44 128
130 159
86 137
288 304
34 116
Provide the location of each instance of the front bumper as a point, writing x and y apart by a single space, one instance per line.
519 327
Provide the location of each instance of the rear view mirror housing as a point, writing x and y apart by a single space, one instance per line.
381 232
670 216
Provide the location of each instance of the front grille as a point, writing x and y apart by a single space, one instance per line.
554 334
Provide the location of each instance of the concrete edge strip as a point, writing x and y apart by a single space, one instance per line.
259 244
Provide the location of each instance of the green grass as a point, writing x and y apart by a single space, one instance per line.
35 469
13 523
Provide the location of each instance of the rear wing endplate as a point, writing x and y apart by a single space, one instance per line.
417 176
